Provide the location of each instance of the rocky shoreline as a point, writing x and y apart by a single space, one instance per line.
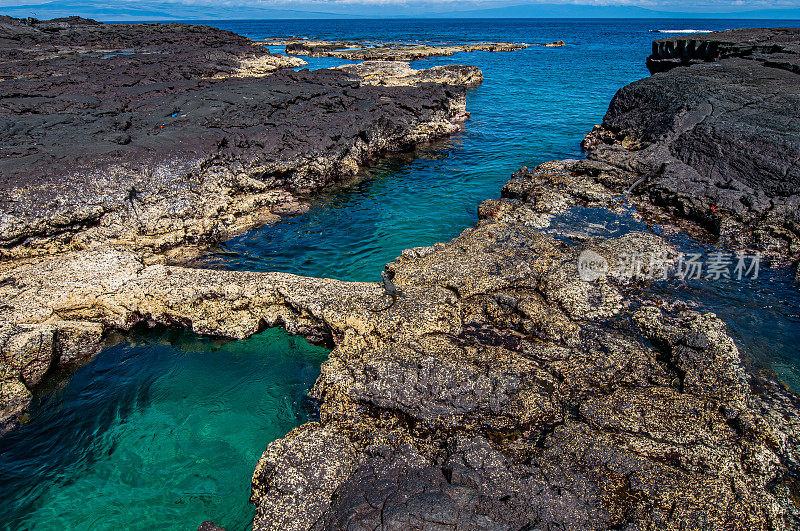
169 140
357 51
502 389
173 136
712 136
506 392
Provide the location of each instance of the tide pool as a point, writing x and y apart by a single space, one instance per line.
164 429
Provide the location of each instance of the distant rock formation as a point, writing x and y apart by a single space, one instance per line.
356 51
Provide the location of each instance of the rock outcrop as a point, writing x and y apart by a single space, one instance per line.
398 73
501 390
355 51
774 47
715 135
161 137
59 309
504 392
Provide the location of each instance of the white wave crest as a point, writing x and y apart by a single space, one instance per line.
681 31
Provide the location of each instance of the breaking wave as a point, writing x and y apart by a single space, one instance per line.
680 31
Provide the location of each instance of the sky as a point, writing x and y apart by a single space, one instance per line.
659 5
127 9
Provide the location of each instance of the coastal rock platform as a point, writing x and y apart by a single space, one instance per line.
714 135
356 51
165 136
503 391
502 388
398 73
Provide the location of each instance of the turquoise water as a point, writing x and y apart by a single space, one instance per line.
161 431
164 430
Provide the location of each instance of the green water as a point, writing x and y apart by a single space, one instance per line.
161 431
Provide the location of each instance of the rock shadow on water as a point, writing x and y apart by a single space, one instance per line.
162 426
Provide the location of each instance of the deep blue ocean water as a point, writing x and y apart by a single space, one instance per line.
164 429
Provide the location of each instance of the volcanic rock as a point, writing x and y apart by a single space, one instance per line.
714 135
392 52
161 136
397 73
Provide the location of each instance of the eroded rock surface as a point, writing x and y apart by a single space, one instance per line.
715 135
58 309
356 51
504 392
774 47
500 391
163 136
398 73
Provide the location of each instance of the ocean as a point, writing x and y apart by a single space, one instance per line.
164 429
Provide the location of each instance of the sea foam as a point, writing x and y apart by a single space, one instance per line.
680 31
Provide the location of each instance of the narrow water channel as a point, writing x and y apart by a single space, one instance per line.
164 430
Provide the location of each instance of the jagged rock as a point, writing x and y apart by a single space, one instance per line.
511 394
142 52
397 73
58 309
355 51
313 48
502 391
556 44
775 47
184 141
717 140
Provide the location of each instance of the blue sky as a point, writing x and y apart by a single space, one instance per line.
659 5
199 9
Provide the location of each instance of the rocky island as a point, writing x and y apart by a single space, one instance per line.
501 390
357 51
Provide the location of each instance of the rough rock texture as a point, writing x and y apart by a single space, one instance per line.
392 52
717 141
397 73
141 53
184 141
58 309
775 47
501 391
